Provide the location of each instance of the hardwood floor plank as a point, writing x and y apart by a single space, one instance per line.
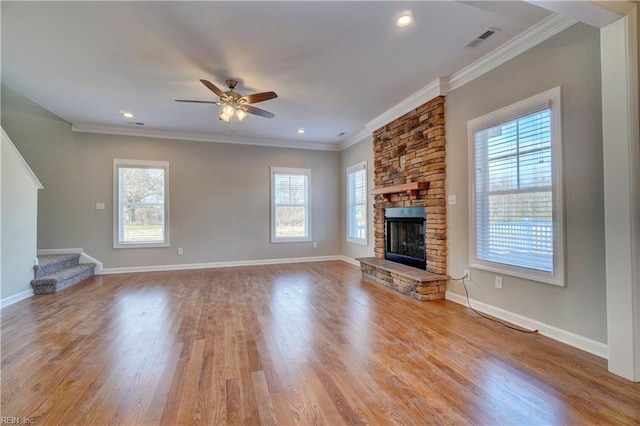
282 412
234 402
250 405
290 344
267 409
160 394
211 400
192 385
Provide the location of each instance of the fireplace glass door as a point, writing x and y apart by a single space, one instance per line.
405 240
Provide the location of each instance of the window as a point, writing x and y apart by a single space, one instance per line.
141 203
357 203
290 211
516 199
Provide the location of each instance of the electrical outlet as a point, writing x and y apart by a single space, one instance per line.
499 283
467 274
315 244
180 251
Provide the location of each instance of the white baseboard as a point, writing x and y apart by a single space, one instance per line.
555 333
186 266
15 298
88 259
350 260
101 270
84 257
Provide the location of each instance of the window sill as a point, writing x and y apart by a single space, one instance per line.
514 271
139 245
356 241
290 240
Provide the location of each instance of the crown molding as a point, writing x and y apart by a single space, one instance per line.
200 137
358 137
441 86
543 30
437 87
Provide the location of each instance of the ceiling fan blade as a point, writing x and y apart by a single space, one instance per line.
213 88
257 111
199 102
259 97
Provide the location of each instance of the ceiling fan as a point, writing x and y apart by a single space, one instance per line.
235 104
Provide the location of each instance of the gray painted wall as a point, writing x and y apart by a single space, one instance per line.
219 193
570 60
361 151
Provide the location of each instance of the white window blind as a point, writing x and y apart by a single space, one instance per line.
141 203
290 204
357 203
516 206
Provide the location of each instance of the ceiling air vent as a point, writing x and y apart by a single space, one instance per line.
482 37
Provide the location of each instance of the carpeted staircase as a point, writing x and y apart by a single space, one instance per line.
56 272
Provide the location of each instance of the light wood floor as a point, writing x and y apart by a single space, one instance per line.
286 344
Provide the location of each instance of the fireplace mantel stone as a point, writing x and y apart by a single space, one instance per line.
412 188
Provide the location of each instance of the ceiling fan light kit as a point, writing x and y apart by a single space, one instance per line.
234 105
226 113
240 114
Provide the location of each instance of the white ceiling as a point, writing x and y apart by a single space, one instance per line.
335 65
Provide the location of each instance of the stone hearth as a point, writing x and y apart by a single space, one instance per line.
414 282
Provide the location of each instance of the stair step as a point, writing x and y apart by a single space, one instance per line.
62 279
48 259
52 263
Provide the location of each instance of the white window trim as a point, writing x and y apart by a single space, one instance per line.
550 98
307 219
117 162
354 168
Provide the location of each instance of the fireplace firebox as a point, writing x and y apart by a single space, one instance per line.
405 236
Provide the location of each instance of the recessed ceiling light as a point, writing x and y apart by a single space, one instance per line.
404 19
127 115
300 130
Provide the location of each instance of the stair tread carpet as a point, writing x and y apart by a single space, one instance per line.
50 259
68 272
50 263
58 271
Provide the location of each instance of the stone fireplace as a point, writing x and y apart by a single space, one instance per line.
409 173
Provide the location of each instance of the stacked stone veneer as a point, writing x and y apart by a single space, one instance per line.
412 149
414 282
